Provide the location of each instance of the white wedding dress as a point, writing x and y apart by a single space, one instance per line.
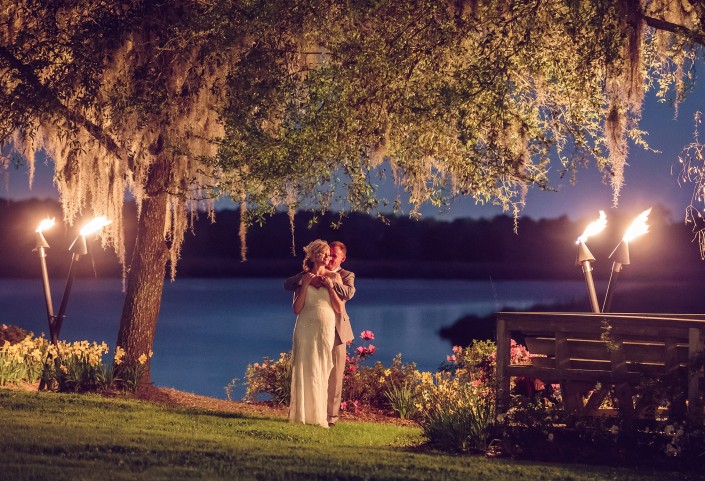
312 359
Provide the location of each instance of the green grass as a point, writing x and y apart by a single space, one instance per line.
47 436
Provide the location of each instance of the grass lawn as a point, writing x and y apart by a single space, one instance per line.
48 436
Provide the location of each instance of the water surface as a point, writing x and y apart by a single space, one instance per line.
210 329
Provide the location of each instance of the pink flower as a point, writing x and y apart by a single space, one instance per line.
457 349
344 405
450 358
361 351
352 368
371 349
367 335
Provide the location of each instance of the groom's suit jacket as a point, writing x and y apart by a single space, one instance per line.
345 291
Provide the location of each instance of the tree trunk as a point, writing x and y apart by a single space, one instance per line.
145 278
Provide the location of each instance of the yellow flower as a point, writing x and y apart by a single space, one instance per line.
142 359
119 354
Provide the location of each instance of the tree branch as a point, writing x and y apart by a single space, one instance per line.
658 24
55 105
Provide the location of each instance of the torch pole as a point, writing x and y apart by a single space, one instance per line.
41 247
67 292
587 270
616 270
620 255
78 248
585 257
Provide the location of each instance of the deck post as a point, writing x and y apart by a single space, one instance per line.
503 358
695 350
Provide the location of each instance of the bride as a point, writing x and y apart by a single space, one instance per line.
314 334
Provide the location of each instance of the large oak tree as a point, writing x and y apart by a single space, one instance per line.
284 102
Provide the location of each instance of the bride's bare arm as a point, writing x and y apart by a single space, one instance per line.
300 293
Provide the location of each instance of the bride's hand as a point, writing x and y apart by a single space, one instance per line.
307 278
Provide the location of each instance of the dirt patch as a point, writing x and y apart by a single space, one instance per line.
175 398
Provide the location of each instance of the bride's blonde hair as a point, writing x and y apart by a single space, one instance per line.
311 250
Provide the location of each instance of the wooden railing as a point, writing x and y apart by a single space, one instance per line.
603 353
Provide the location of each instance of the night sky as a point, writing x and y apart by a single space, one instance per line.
651 179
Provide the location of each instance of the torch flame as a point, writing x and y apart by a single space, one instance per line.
595 227
95 225
638 226
45 224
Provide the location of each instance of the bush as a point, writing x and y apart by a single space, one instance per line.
23 360
270 378
66 367
458 415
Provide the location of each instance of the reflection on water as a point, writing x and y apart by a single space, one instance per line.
210 329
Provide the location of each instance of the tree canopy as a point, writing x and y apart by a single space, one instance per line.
299 102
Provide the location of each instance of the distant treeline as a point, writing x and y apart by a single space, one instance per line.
391 247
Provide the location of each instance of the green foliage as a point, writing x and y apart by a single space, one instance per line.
459 417
22 359
402 399
271 379
67 367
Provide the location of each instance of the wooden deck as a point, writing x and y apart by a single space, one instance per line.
572 351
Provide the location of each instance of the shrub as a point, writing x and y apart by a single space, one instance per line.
66 367
23 360
402 400
270 378
458 415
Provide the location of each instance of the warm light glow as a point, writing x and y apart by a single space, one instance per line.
638 226
95 225
45 224
595 227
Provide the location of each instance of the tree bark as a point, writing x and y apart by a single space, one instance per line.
145 278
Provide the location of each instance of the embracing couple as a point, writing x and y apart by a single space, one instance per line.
321 333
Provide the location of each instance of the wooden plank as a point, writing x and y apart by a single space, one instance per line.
554 375
503 359
671 355
695 350
690 320
652 352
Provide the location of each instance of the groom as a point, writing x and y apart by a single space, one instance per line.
343 330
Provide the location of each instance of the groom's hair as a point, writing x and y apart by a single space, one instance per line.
339 244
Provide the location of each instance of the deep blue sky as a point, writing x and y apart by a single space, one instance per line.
650 179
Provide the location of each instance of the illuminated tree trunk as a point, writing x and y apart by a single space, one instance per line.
145 279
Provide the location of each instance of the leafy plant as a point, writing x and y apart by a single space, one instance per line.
402 400
270 378
458 416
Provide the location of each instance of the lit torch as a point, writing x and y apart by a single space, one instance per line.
78 248
40 247
620 255
585 257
